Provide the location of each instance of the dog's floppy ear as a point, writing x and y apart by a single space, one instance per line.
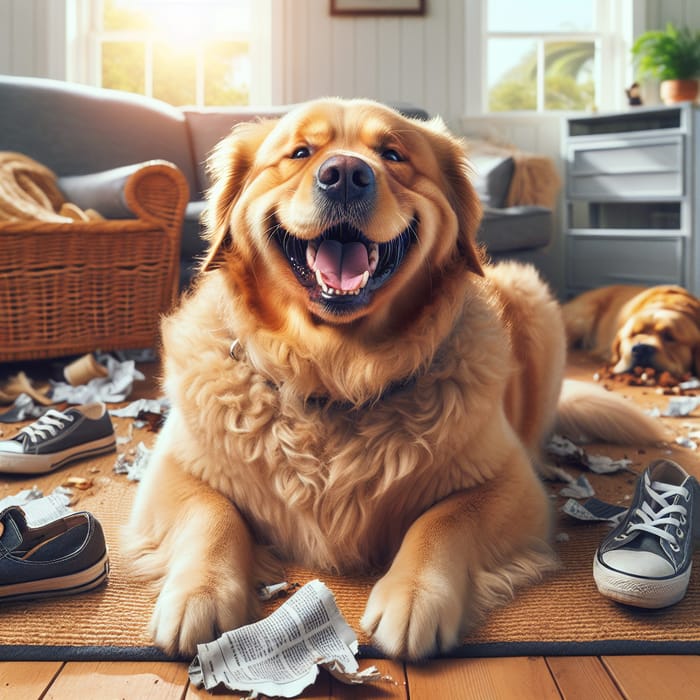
696 347
696 361
615 350
229 166
463 197
692 309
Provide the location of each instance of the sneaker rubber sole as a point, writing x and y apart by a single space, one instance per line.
43 463
640 592
79 582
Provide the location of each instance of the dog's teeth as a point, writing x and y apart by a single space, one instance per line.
320 282
311 255
373 257
333 291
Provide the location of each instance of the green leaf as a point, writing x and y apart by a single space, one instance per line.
670 54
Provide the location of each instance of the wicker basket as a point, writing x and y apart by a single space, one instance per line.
101 285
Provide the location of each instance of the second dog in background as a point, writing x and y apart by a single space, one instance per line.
629 326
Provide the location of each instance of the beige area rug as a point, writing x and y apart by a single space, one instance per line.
563 615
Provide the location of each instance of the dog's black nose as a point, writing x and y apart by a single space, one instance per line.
643 354
346 179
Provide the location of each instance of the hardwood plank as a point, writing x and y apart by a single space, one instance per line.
525 678
117 680
654 677
26 679
395 685
582 678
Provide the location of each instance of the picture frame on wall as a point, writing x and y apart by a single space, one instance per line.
377 7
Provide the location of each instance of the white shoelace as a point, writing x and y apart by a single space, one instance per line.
653 521
49 424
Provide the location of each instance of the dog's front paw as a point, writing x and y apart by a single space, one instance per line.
414 617
196 609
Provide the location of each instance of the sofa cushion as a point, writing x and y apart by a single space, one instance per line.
491 177
208 125
515 228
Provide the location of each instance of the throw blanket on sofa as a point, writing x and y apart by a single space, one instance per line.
28 192
534 178
535 181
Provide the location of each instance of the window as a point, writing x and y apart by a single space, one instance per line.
185 52
547 55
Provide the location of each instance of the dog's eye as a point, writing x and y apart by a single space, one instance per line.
301 152
392 155
667 336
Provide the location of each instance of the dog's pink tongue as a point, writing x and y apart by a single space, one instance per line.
342 265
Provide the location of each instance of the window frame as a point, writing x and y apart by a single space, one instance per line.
617 23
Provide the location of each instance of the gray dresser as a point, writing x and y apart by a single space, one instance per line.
632 198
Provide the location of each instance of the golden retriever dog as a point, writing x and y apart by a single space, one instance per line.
352 389
628 326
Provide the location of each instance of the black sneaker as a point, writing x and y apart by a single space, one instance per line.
646 560
65 556
58 438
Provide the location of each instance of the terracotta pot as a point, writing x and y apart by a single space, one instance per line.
673 91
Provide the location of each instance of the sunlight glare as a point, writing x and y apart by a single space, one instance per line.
186 24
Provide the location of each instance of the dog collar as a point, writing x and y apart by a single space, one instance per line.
236 352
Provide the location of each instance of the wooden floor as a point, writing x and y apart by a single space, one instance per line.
533 678
521 678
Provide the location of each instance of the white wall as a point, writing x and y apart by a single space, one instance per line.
33 38
420 60
680 12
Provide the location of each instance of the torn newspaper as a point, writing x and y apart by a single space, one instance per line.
280 655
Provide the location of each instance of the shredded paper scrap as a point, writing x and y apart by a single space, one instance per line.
570 453
280 655
113 388
40 509
594 510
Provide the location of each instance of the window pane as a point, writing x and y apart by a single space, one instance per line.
196 51
512 75
539 16
174 75
123 66
569 81
227 67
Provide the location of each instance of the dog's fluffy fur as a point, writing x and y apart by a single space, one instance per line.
629 326
391 432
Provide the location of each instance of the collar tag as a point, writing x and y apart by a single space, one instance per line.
235 350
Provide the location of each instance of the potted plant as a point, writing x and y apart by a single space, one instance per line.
673 57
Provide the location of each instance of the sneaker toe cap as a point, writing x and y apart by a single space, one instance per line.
13 447
636 563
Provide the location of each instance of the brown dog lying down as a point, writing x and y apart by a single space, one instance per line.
628 327
352 391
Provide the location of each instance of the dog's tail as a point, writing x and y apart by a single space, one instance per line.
587 412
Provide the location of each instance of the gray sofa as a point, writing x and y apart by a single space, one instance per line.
520 231
83 133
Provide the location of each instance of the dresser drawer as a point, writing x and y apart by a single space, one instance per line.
595 261
627 170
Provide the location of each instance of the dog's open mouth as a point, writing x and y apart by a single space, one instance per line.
341 268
